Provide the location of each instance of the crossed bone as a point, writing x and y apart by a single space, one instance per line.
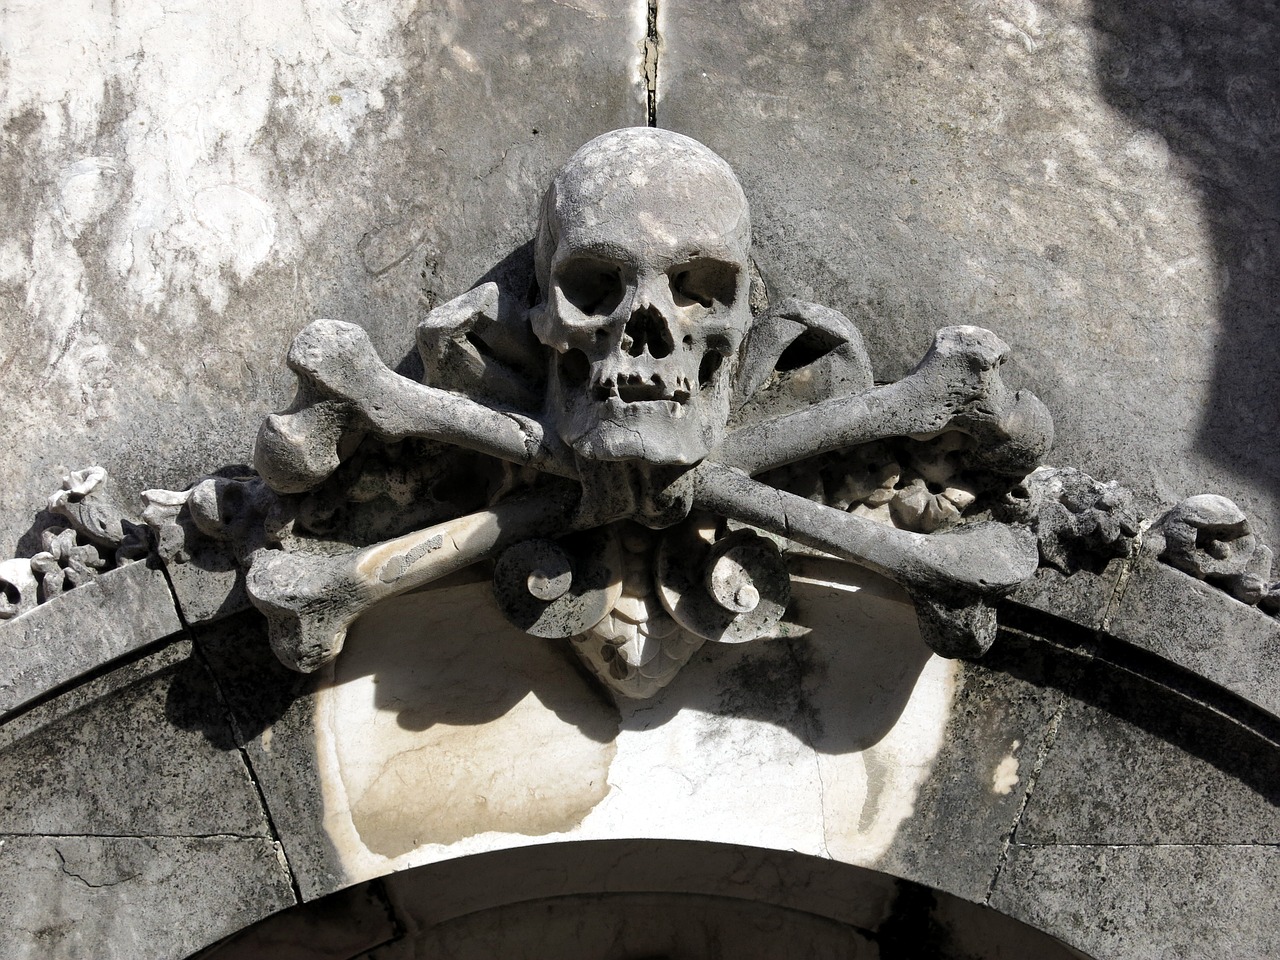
346 389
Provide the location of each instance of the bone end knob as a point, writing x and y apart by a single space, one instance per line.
308 603
729 582
547 592
296 452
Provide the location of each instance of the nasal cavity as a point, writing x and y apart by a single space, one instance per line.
647 330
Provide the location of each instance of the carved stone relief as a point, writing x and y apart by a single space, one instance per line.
90 534
633 401
638 444
1209 537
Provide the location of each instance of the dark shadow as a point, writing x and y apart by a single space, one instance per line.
469 668
192 703
626 899
232 671
29 543
839 690
513 274
1205 75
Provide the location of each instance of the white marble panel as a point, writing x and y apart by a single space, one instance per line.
443 731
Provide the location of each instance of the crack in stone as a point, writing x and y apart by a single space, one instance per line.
811 726
85 880
1042 756
238 734
1122 578
651 46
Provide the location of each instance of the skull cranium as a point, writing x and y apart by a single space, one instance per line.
642 257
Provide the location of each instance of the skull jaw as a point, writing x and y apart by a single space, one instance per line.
655 432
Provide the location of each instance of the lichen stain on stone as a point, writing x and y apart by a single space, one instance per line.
447 723
174 131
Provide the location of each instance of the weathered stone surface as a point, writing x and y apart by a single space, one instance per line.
644 236
1081 598
272 710
417 727
1201 628
87 627
137 898
976 787
342 926
143 751
1090 181
1132 763
194 187
208 586
1148 902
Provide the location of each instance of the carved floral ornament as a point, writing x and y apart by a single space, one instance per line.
639 447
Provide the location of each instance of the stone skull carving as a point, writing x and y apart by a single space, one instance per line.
642 257
659 526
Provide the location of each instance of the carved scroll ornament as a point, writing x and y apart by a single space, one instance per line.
637 446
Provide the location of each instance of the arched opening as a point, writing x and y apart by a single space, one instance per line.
616 900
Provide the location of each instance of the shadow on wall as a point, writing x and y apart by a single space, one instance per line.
841 689
1166 704
1205 75
441 723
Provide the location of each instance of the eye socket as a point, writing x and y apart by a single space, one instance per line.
593 286
705 282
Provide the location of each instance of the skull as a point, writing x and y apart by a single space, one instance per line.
642 257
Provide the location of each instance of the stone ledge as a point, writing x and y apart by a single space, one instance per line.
1200 628
117 613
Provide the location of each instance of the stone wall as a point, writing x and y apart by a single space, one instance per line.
186 188
1086 777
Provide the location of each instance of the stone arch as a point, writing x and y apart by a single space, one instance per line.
1102 775
634 898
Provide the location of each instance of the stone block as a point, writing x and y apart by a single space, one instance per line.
1147 902
967 807
1081 598
133 898
272 709
144 750
85 628
1038 172
1202 629
208 586
1134 763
